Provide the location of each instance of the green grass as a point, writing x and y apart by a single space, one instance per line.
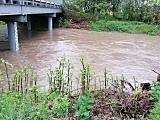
14 106
133 27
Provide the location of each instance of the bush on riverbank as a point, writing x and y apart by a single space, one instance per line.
112 98
124 26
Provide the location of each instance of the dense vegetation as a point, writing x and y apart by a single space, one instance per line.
114 15
123 26
112 97
132 10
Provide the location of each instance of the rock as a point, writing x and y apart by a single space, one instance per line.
145 86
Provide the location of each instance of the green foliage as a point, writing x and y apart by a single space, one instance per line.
118 26
145 29
155 97
63 22
60 21
86 75
40 112
147 11
2 23
66 23
23 81
15 107
154 113
155 92
83 106
20 102
61 106
123 26
98 25
60 77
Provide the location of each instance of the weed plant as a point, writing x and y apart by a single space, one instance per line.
83 106
60 77
61 106
85 75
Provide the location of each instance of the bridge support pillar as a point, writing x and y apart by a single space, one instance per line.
13 36
6 29
50 23
29 23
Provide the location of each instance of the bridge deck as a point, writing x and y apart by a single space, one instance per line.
22 7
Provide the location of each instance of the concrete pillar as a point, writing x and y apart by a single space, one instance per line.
29 22
12 36
6 30
50 23
16 36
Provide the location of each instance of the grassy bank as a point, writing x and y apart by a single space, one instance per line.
125 26
112 97
104 22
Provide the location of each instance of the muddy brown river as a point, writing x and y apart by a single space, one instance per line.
121 53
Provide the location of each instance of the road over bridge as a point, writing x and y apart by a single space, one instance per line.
13 11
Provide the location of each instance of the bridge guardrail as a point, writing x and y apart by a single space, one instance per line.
34 3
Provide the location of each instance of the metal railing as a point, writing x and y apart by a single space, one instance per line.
34 3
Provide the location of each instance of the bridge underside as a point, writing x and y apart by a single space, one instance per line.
12 13
24 10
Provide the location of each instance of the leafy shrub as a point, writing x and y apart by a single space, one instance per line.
61 106
12 107
155 92
15 107
155 97
83 106
154 113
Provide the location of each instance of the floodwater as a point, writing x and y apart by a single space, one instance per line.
133 55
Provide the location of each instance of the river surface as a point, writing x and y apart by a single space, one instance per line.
121 53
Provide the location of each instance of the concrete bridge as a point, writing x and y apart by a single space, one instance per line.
13 11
